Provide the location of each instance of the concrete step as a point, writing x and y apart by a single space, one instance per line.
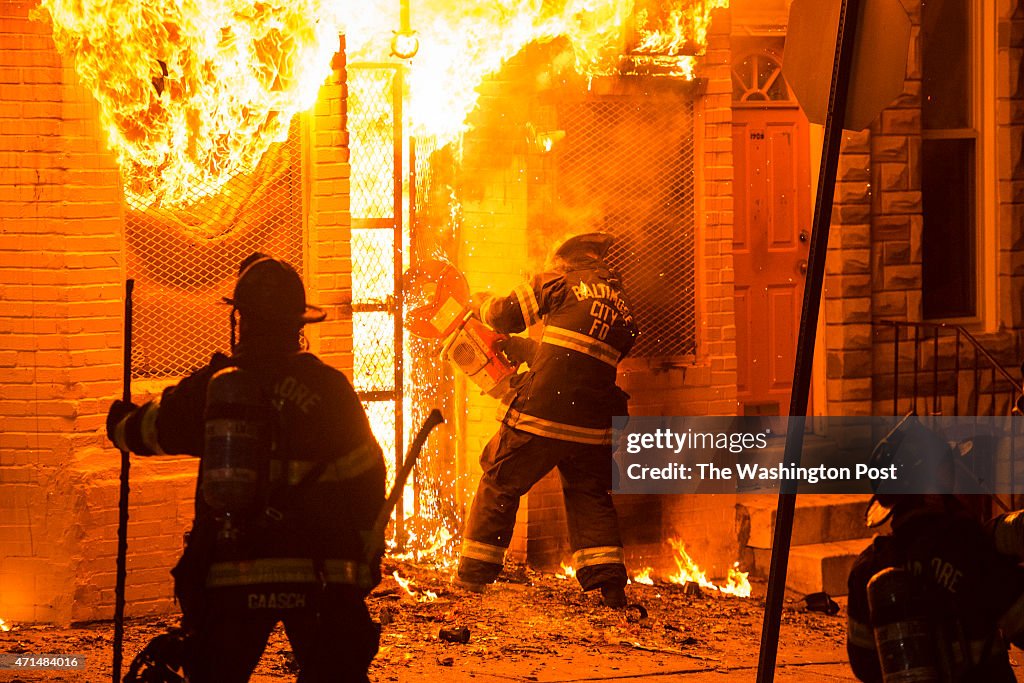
819 518
815 567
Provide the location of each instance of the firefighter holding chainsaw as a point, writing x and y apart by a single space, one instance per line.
933 600
560 416
290 482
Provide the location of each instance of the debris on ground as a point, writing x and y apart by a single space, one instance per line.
529 622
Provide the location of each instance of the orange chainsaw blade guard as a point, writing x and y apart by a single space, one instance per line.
469 344
448 294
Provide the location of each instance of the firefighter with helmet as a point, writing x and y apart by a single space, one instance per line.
290 482
933 600
560 416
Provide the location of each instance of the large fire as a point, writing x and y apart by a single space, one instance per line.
193 93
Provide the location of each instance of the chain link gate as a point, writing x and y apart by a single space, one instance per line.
630 160
375 144
185 258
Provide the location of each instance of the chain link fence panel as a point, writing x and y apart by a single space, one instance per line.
185 258
627 167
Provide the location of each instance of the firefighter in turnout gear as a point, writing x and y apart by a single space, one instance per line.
290 482
933 600
560 416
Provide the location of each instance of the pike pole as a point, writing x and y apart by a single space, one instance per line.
122 502
402 472
849 17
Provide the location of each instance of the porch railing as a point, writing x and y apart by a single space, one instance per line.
950 372
942 369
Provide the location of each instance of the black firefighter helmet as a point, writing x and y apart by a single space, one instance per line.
161 661
272 291
583 250
924 462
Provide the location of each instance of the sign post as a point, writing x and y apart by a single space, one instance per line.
862 80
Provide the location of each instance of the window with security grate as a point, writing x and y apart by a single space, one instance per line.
184 258
626 167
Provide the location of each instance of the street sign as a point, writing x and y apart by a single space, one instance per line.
879 60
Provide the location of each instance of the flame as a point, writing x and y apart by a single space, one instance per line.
3 626
567 572
680 35
462 43
419 596
644 576
684 28
688 572
193 93
438 547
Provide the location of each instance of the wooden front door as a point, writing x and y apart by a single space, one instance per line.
772 229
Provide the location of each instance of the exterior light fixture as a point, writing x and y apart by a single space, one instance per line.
405 44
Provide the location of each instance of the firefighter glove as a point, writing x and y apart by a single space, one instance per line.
518 349
477 304
119 411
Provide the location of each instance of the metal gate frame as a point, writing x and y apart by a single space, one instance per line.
394 303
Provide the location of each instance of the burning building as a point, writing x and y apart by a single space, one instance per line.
668 124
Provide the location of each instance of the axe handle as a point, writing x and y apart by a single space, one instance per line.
433 419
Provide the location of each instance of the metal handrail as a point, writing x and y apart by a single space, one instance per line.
994 366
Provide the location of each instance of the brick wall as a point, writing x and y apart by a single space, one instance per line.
61 288
706 524
495 187
494 255
847 291
329 222
60 321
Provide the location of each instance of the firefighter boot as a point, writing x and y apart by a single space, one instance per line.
613 596
466 585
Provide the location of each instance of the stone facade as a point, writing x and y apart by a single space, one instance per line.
875 253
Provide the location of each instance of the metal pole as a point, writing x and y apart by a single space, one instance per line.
895 369
122 503
413 260
399 299
849 16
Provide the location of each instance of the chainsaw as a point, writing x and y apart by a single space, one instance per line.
466 341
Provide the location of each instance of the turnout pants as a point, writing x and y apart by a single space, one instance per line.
513 462
333 643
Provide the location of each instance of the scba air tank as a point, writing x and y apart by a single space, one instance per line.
906 642
238 440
